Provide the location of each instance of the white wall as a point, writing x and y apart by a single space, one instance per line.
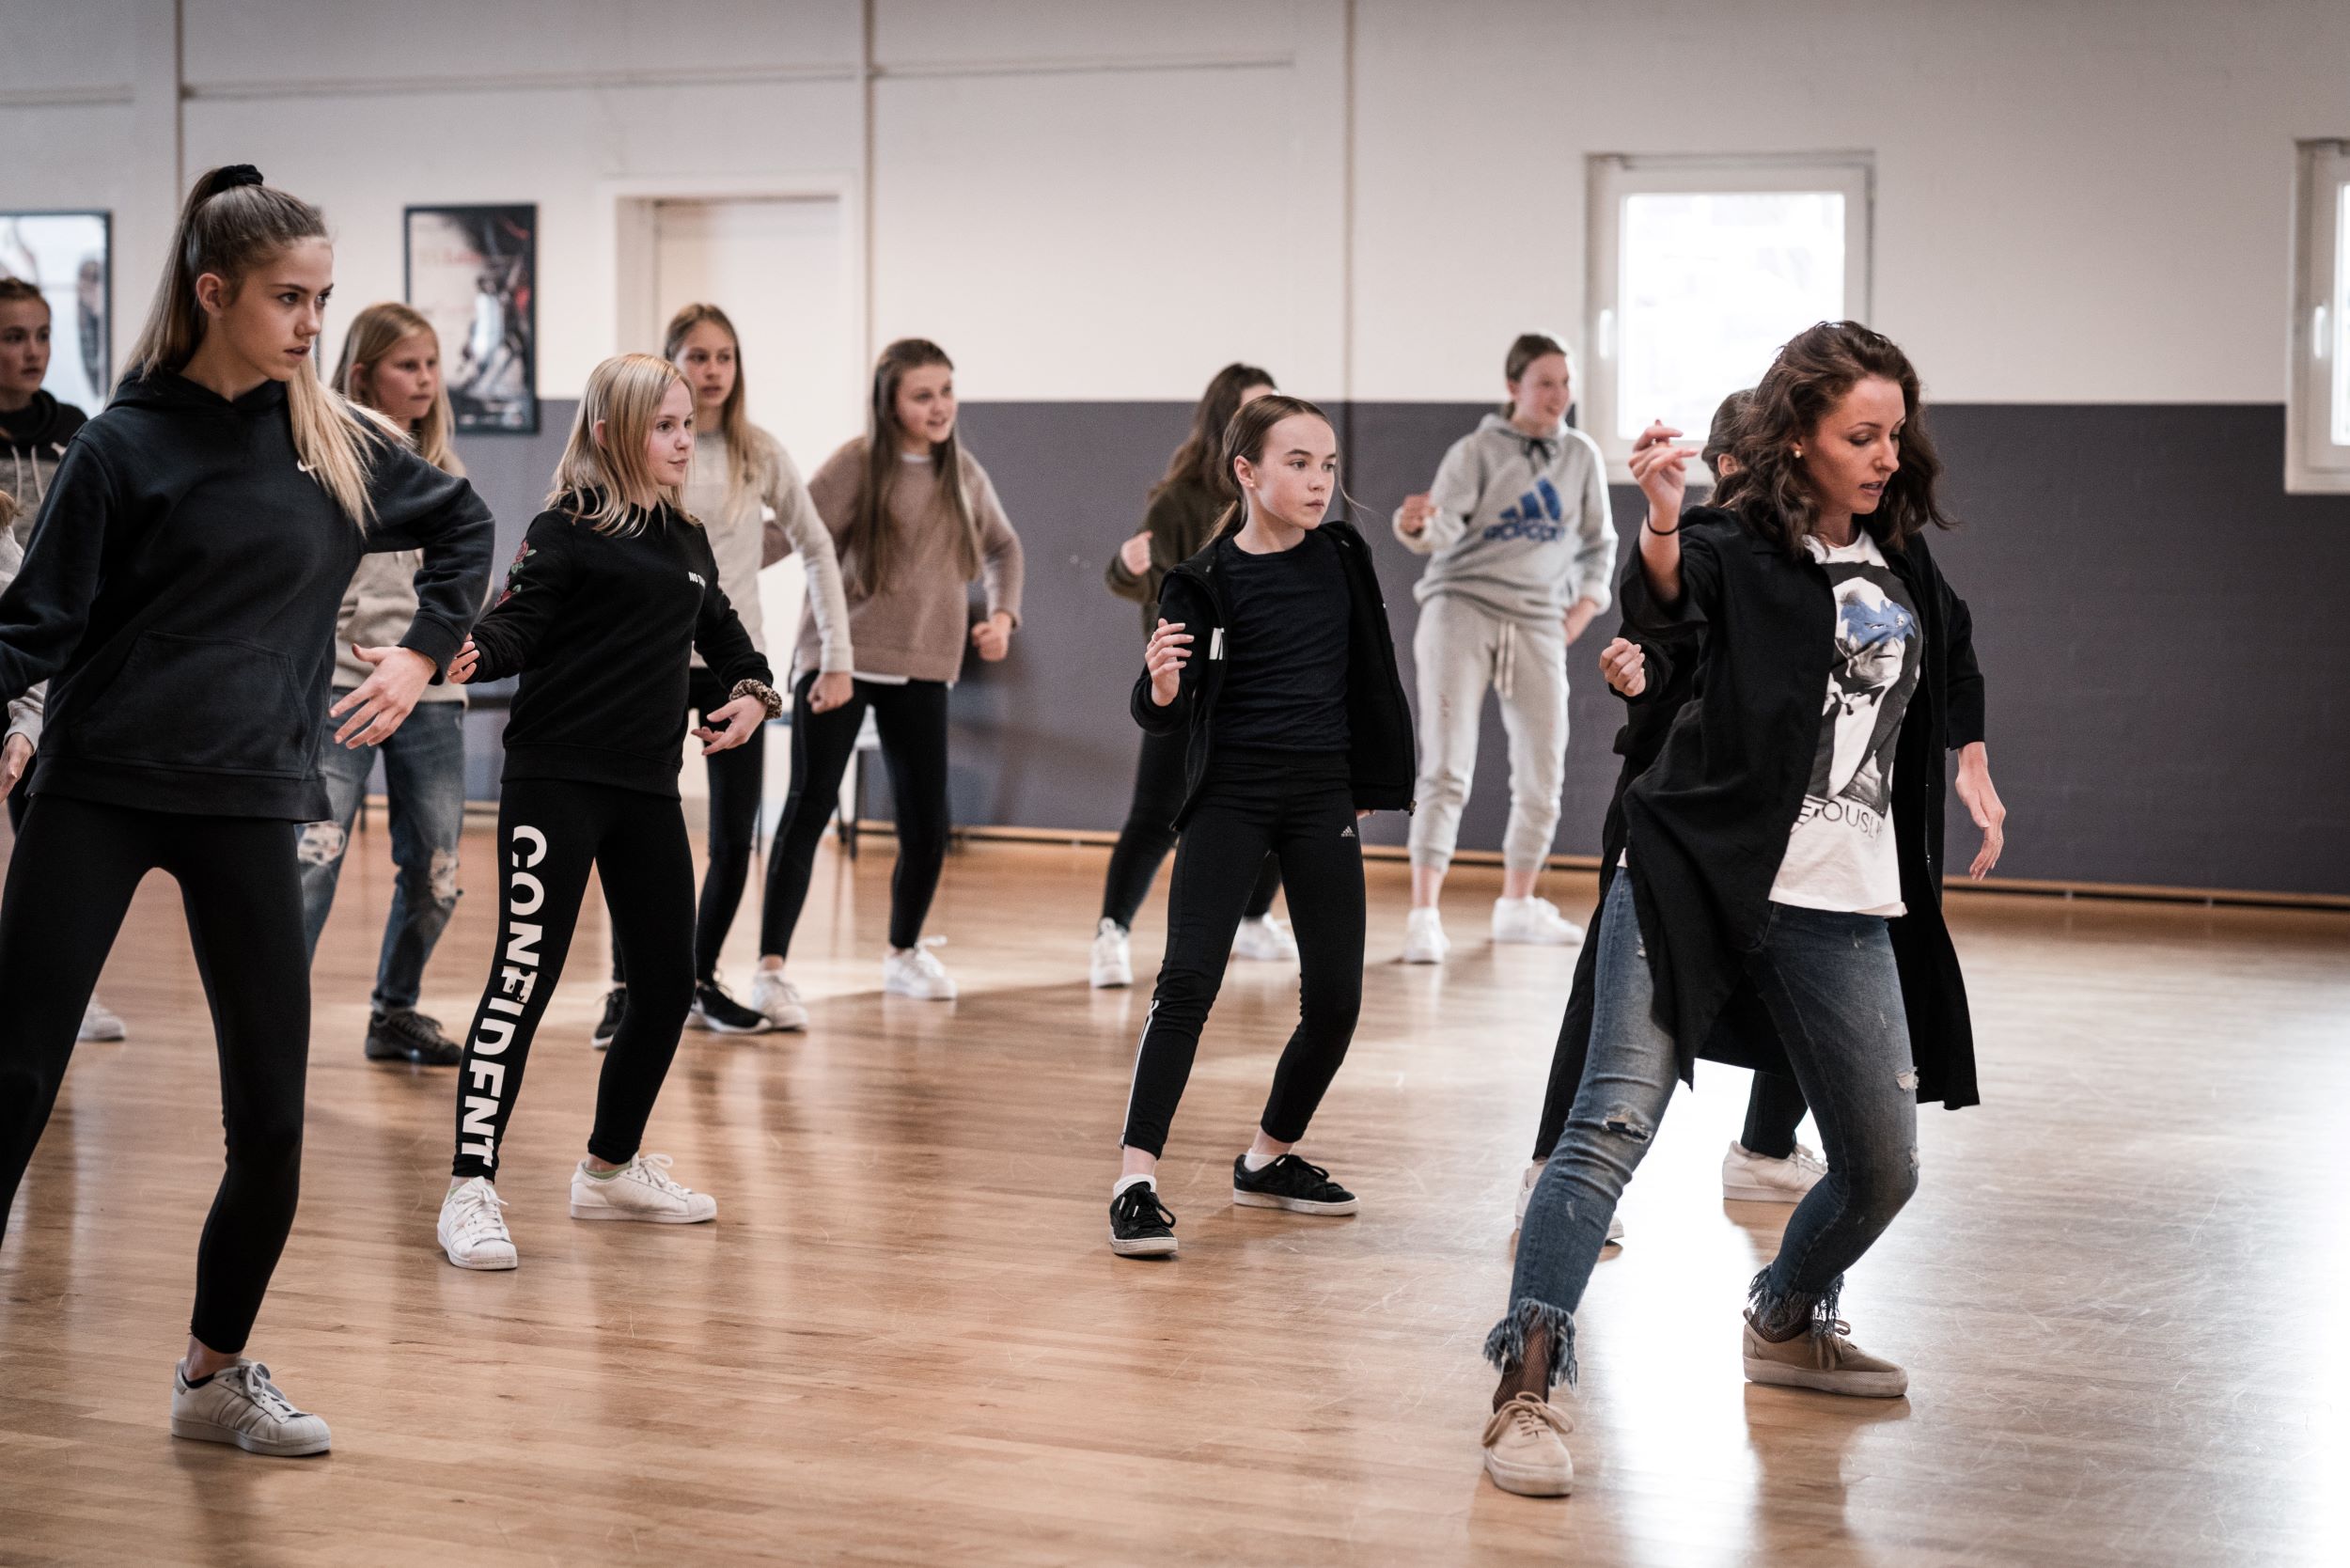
2076 200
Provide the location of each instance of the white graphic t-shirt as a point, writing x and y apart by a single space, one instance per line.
1840 853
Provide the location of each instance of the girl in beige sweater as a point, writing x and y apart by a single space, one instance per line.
916 521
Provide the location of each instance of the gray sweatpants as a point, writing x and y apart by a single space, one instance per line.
1461 648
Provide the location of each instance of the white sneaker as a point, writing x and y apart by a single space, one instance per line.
1751 1178
642 1190
777 999
240 1404
1113 957
1526 1196
1424 941
915 972
99 1023
1534 920
1266 940
472 1231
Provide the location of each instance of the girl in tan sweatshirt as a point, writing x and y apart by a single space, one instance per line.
915 520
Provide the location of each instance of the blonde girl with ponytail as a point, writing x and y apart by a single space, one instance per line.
223 500
391 366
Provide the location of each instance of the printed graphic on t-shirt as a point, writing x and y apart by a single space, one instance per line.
1839 855
1536 515
1867 692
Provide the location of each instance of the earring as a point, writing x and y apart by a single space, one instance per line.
1799 451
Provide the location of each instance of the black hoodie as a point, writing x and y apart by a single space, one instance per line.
179 596
32 442
602 629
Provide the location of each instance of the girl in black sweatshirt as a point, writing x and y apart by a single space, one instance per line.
1273 655
613 592
179 597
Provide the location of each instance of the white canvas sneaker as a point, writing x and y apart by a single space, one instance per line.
1266 940
240 1404
1113 957
639 1190
472 1231
777 1000
915 972
99 1023
1533 920
1751 1178
1424 941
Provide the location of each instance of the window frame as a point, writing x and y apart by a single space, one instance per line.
2316 464
1613 177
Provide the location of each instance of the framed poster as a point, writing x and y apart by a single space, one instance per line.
472 272
68 257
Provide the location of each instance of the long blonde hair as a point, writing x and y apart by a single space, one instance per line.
746 444
868 544
231 223
375 332
625 393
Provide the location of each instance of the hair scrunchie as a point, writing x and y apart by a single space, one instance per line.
240 174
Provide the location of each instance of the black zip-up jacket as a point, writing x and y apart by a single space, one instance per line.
180 592
1707 824
602 629
1381 759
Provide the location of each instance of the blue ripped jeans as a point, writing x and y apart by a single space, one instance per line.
424 780
1830 986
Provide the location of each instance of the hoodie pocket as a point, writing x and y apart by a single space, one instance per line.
213 703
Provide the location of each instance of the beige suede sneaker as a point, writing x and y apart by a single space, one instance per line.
1525 1448
1823 1359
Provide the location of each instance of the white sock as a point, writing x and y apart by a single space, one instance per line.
1254 1161
1124 1181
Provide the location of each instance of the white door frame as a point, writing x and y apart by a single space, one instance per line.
626 219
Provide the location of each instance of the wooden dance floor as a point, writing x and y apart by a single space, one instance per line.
2119 1292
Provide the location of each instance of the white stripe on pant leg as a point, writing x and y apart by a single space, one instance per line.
1134 1079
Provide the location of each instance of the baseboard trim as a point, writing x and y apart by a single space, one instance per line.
2120 892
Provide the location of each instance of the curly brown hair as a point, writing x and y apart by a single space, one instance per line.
1818 366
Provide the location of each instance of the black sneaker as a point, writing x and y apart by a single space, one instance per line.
1289 1183
615 1009
1141 1225
720 1013
408 1035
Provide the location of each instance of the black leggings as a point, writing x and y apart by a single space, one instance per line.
1150 833
737 776
1300 808
912 720
1774 1105
69 884
551 831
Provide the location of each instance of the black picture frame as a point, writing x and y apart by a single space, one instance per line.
42 244
472 272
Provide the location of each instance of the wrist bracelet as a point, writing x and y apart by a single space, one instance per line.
759 689
1660 533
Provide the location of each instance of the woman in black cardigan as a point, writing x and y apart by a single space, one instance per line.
1787 840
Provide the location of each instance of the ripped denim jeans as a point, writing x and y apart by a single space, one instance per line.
424 782
1830 986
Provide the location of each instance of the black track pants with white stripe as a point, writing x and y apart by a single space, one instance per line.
1298 808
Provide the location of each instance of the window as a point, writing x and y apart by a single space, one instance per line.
2318 399
1702 268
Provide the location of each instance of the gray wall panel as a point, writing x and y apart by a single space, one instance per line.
2132 570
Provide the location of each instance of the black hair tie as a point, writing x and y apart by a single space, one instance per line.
238 174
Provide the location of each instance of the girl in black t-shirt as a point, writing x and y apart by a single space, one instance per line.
1272 656
615 590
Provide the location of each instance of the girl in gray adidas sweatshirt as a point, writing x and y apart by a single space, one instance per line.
1521 549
